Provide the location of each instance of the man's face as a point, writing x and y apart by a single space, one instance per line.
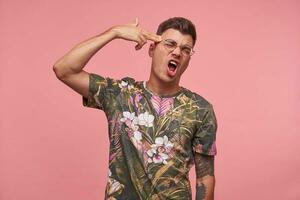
168 65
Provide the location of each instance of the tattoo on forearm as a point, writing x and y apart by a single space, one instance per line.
204 165
200 193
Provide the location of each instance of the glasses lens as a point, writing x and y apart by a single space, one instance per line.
186 51
171 45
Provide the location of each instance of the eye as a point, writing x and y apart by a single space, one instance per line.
170 43
186 50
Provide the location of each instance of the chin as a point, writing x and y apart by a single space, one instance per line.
168 79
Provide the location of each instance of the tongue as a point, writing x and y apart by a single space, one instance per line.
171 71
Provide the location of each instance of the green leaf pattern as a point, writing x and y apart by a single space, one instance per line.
151 153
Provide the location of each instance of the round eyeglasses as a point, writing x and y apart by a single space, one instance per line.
171 45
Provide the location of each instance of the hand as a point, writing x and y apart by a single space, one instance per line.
133 32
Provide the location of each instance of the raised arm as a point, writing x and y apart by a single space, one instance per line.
69 68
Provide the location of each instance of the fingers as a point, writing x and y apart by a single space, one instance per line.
146 34
152 36
141 42
139 35
136 22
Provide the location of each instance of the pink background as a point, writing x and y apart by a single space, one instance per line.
246 64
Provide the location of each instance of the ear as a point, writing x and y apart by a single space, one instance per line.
151 49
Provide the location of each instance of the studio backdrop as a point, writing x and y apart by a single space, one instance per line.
246 63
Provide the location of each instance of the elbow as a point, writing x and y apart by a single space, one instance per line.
57 71
60 68
61 72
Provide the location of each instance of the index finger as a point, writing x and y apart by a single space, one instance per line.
152 36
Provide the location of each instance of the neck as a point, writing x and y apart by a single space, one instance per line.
160 88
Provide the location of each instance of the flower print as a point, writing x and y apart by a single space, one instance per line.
127 115
160 150
137 98
145 119
134 100
130 87
131 122
213 149
162 105
129 118
183 99
134 129
124 85
134 123
198 148
137 135
157 157
114 187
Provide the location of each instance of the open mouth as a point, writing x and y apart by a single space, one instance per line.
172 66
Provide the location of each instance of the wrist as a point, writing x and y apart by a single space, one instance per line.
114 32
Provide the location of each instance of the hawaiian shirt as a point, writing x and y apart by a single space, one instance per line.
153 139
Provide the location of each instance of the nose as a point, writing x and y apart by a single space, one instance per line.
177 51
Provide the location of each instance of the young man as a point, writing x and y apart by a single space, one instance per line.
157 129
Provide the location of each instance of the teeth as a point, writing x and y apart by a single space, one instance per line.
173 62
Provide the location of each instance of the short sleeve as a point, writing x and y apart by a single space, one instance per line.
204 141
100 90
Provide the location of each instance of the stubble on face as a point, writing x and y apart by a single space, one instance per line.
161 57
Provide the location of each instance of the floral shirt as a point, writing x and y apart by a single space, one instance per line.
153 139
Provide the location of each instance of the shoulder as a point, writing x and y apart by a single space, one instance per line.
128 80
199 99
120 82
127 85
204 108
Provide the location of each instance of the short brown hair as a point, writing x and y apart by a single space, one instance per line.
181 24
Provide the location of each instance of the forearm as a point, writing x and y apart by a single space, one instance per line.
75 60
205 182
205 188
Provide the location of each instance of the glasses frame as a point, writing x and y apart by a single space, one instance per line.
165 41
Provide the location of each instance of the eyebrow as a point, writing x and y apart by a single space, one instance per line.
186 45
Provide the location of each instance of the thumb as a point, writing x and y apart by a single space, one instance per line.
136 23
